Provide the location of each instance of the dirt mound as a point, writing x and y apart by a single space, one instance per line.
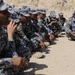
65 6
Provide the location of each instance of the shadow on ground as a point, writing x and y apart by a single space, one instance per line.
46 51
53 43
32 68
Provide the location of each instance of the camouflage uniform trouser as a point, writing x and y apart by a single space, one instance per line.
35 43
44 36
6 73
56 29
10 72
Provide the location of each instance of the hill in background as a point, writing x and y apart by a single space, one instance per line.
65 6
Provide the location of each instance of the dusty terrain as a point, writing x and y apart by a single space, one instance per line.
59 59
57 5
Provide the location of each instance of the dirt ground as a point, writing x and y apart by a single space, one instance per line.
59 59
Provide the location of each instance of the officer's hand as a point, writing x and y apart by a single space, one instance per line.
72 33
53 22
42 45
11 28
19 62
51 37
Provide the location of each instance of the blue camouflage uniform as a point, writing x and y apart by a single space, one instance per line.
43 30
23 44
30 31
21 41
70 27
62 21
8 50
54 27
31 35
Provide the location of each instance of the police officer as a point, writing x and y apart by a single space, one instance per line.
29 30
53 23
44 16
22 42
8 63
43 30
33 18
61 21
70 27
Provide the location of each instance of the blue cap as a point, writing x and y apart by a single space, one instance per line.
14 15
11 10
60 14
42 11
26 14
33 11
4 6
17 11
24 11
52 14
14 12
25 8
